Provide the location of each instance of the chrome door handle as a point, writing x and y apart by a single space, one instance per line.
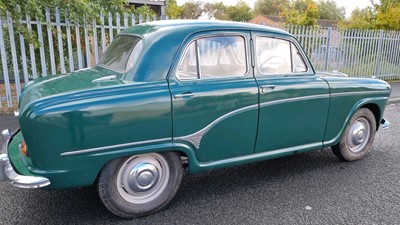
267 88
184 95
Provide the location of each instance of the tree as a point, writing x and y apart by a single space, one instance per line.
388 15
192 10
75 10
240 12
172 9
330 11
385 15
390 19
360 18
270 7
216 10
301 12
386 5
144 10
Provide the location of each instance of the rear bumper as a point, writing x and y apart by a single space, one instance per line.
8 174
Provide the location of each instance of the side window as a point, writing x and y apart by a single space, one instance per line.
277 56
214 57
298 62
273 56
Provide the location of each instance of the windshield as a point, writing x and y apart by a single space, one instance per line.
122 53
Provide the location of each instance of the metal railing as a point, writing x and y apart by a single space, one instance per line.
358 53
66 46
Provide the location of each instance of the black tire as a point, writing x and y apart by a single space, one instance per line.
140 185
356 141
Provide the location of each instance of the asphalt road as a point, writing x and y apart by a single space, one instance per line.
309 188
395 90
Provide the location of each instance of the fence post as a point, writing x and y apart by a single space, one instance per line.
379 54
14 54
31 48
50 42
60 41
41 49
3 57
328 45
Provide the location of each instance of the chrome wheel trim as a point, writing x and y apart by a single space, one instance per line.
358 135
142 178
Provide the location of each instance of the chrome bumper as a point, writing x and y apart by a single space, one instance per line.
7 173
385 123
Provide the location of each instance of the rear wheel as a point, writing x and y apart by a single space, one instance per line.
140 185
357 139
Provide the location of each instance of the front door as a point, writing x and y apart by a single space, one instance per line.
293 100
215 96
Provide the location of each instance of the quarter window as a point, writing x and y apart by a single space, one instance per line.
298 62
277 56
210 57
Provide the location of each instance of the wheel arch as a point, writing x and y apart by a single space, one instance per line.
375 104
376 111
183 150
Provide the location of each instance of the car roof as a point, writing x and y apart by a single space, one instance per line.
164 39
191 26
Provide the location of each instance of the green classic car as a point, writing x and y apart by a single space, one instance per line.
199 95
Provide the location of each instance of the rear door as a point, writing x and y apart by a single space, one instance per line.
293 100
215 96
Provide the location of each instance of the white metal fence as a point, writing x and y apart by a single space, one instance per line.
67 46
358 53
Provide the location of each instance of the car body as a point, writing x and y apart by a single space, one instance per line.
205 94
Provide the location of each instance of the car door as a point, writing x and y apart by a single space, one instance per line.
293 100
215 96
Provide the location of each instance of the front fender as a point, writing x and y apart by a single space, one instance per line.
372 103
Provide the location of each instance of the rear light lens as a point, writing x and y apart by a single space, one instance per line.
23 148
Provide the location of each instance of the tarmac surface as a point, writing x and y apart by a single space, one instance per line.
395 90
309 188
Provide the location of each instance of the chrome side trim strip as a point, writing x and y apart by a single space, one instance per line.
106 78
358 93
131 144
286 100
196 137
251 157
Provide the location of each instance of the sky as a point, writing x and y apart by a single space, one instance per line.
349 5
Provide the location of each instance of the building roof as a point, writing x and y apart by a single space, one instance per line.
262 20
146 2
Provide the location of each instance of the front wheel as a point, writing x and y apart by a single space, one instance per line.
141 184
357 139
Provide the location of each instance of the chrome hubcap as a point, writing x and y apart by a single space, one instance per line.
142 178
358 135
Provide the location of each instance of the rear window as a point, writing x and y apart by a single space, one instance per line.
122 53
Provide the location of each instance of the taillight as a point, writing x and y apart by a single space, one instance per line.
23 148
